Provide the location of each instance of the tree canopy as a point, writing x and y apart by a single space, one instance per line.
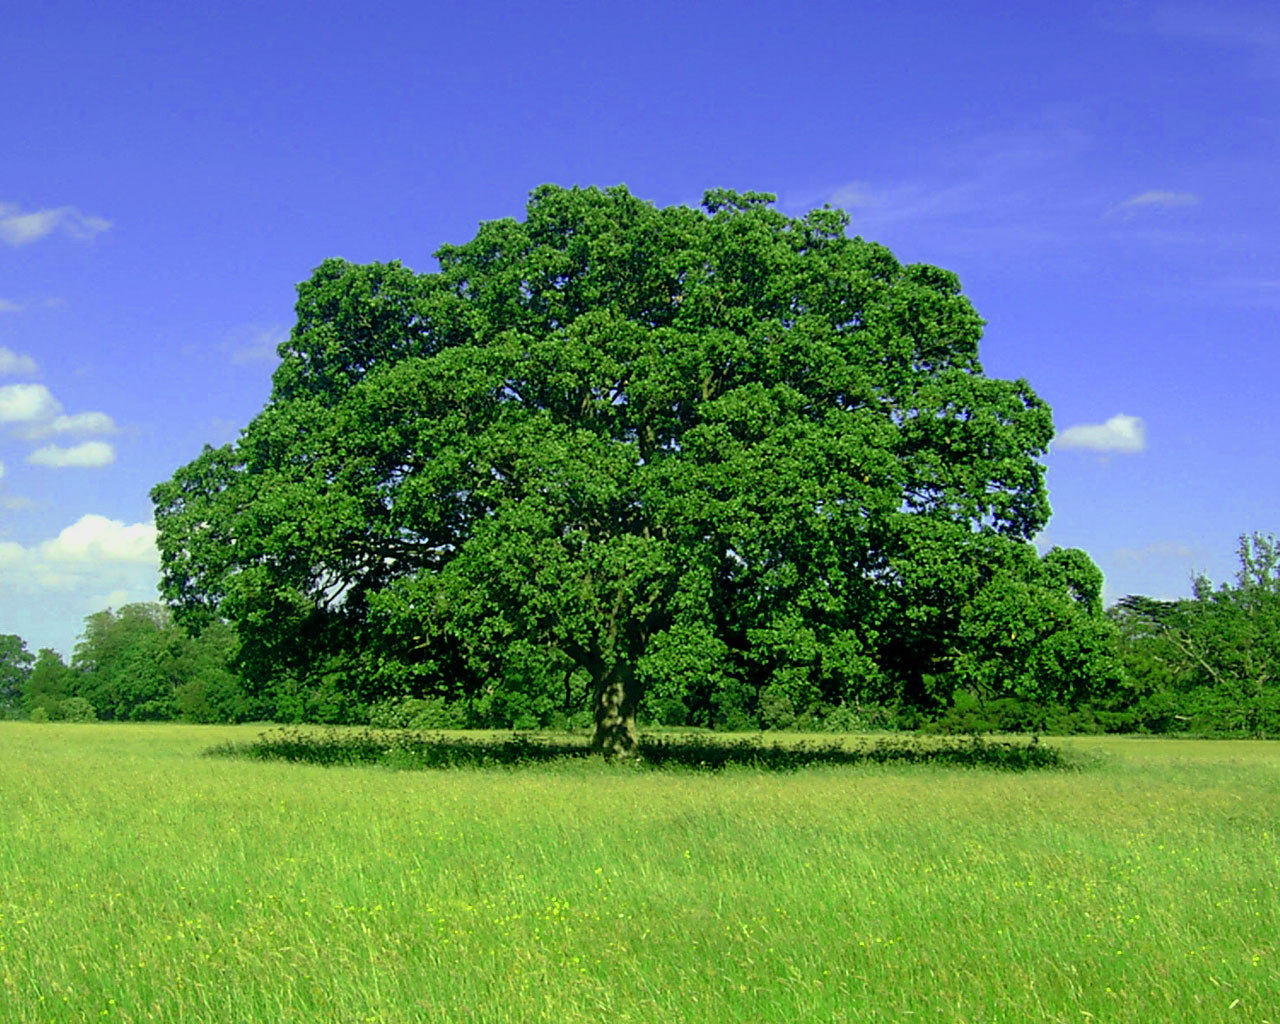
666 451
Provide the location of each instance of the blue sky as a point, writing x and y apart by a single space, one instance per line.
1102 176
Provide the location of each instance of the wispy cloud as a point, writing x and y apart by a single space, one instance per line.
1120 434
220 429
15 364
20 228
80 423
1003 191
1257 292
1157 550
9 306
256 344
1159 197
87 455
1253 28
1155 199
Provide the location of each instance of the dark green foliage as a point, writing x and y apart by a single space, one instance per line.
15 670
409 750
971 715
971 752
208 688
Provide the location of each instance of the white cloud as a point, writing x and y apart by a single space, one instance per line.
27 403
9 306
18 228
1121 433
35 413
1 470
95 538
89 455
15 363
50 585
94 552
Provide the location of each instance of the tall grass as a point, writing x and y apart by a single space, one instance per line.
141 882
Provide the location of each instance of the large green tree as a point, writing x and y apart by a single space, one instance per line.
696 452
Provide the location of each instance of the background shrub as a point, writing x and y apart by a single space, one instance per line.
76 709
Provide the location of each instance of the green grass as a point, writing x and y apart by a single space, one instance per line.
140 881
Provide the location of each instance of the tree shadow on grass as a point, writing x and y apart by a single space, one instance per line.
415 750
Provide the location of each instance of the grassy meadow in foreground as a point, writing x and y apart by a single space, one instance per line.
140 881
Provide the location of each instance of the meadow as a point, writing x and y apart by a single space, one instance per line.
142 881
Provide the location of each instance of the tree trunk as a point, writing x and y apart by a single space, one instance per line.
616 696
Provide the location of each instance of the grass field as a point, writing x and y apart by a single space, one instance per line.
140 881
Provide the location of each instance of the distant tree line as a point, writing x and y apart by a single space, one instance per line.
1211 662
131 665
1205 664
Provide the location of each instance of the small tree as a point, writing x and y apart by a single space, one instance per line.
129 662
51 683
1036 631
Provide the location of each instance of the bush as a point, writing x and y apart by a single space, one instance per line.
859 718
75 709
418 713
777 708
402 750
